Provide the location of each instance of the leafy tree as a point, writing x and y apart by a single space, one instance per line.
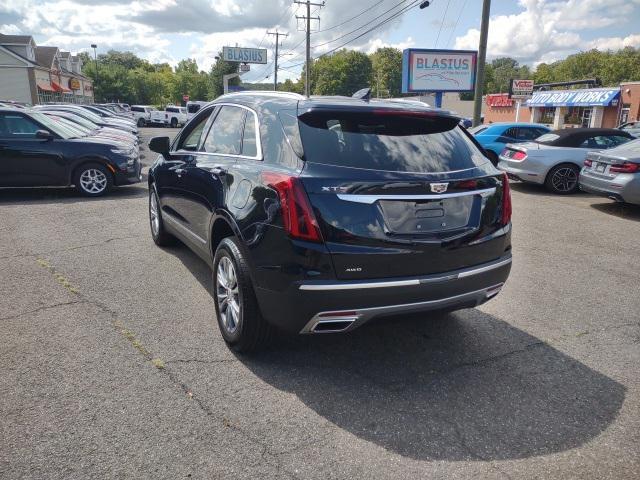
386 79
220 68
341 73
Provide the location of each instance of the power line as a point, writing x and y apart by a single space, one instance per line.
443 19
391 18
360 27
275 57
307 17
456 24
368 9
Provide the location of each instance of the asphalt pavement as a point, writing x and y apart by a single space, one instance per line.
112 365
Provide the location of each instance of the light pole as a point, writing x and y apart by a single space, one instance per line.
482 55
95 56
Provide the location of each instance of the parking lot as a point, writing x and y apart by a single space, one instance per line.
113 366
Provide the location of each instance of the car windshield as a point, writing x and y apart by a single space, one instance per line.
82 131
57 127
77 119
547 138
391 142
478 129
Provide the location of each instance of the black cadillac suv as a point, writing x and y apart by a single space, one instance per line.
320 214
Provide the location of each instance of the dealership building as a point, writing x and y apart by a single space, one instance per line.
590 107
38 74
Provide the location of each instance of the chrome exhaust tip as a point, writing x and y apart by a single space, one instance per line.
493 291
333 322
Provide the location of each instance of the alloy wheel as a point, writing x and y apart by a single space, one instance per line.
93 181
564 179
154 214
228 295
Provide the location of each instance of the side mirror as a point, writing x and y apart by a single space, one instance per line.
159 145
44 135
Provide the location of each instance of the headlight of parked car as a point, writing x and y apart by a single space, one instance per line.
125 152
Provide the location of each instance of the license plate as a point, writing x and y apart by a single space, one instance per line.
601 167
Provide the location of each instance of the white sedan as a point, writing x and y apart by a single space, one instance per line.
555 158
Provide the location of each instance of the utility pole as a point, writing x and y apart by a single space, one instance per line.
275 69
482 56
95 56
307 67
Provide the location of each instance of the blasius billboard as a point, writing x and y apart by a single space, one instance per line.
425 70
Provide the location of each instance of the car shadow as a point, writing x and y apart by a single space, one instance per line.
617 209
459 386
535 189
67 195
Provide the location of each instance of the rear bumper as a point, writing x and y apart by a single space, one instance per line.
526 171
622 187
332 306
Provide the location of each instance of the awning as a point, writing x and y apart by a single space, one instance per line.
59 88
591 97
44 86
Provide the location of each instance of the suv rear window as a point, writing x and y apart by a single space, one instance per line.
392 142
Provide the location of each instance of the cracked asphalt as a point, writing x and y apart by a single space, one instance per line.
112 365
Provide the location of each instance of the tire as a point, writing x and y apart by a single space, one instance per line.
563 179
92 179
141 122
174 123
160 236
243 327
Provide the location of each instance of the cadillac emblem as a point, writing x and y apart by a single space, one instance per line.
439 187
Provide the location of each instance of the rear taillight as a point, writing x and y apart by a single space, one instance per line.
518 155
297 215
588 163
626 167
506 200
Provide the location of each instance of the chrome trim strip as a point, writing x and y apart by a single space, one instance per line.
403 283
370 199
176 223
365 314
476 271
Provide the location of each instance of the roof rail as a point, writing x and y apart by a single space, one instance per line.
268 93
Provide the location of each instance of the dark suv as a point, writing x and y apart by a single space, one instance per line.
320 214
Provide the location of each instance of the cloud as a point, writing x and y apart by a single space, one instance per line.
548 30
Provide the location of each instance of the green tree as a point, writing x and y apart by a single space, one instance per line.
341 73
386 79
219 69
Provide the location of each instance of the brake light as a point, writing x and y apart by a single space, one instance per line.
626 167
506 200
518 155
588 163
297 214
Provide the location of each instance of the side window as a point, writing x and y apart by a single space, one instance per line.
249 144
526 133
511 132
192 139
598 141
619 139
17 126
225 135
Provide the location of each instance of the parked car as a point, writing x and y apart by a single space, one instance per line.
92 129
495 136
193 106
89 115
555 158
320 214
631 127
104 113
142 114
37 151
171 116
614 173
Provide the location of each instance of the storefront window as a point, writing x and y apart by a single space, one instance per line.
547 114
578 116
624 113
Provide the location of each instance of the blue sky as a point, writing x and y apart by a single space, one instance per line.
532 31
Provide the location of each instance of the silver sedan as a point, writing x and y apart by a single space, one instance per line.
614 173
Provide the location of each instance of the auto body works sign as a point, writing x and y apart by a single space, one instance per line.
575 98
438 70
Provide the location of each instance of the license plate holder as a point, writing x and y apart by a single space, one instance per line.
601 167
